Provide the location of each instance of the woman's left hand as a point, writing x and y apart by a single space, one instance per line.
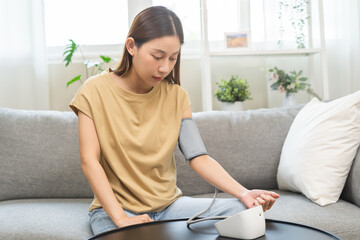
253 198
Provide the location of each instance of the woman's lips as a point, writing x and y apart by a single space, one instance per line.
157 78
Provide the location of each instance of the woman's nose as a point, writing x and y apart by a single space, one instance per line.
164 67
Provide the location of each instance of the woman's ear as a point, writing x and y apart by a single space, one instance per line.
130 45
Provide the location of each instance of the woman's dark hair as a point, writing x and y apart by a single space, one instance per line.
149 24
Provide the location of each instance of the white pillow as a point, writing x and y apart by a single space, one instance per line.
320 147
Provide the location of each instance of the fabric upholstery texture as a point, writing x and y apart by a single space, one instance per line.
40 155
351 191
246 143
40 167
44 219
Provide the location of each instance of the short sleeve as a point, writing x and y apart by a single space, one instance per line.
186 100
82 101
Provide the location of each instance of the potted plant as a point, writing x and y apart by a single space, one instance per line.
94 66
232 93
290 83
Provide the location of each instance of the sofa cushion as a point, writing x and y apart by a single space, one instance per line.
246 143
320 147
341 219
351 191
44 219
40 155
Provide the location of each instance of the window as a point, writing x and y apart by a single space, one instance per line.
222 18
88 22
189 13
269 18
257 21
262 19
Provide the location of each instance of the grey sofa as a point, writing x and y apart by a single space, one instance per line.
44 194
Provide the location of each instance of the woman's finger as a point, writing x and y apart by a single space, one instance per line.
272 201
273 194
261 202
145 218
267 200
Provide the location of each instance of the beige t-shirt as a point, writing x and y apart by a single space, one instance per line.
137 134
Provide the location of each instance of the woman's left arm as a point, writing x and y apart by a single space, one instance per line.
210 170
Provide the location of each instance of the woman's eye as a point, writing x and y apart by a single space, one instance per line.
157 58
173 59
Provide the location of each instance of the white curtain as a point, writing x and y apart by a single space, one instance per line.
23 65
342 34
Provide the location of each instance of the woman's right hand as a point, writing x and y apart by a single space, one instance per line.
127 221
252 198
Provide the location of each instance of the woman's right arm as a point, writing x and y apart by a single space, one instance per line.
90 154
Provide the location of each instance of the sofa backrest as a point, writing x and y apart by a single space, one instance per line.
247 144
39 155
351 191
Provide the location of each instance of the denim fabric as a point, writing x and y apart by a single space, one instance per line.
184 207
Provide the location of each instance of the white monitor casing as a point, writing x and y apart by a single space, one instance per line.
248 224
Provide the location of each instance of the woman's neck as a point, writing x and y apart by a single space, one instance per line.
131 83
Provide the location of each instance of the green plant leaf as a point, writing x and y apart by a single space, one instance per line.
275 86
235 89
69 51
313 93
106 59
292 79
77 78
303 85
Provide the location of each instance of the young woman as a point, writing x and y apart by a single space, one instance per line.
129 123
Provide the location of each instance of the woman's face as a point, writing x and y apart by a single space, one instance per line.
155 59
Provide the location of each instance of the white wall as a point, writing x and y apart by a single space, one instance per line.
221 67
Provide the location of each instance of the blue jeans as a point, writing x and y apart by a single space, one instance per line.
184 207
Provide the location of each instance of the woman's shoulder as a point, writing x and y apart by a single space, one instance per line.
178 94
98 78
174 88
97 81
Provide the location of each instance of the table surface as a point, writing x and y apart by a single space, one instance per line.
178 230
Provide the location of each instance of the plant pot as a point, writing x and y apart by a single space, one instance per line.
289 100
228 106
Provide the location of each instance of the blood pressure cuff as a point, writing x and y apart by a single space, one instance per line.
190 142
